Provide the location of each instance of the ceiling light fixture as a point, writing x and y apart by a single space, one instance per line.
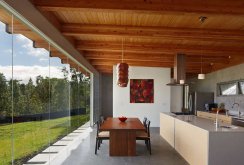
122 70
201 76
182 75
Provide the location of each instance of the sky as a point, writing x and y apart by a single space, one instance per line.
28 62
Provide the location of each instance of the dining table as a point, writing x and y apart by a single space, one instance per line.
122 140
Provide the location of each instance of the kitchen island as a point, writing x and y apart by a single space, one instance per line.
200 142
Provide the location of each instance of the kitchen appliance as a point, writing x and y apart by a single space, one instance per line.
197 101
179 98
179 88
179 72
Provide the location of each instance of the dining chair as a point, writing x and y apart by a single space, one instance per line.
102 119
144 122
145 135
101 135
101 122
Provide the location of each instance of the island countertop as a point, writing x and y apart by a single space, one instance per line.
206 124
199 142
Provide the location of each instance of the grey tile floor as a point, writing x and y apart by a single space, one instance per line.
162 153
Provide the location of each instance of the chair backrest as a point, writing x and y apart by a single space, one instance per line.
98 127
144 122
101 119
148 122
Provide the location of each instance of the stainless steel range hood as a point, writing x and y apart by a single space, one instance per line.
179 70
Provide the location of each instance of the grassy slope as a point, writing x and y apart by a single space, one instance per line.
32 137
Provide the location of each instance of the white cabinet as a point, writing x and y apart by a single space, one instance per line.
199 142
191 142
167 128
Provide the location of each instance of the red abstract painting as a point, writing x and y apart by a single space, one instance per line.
141 91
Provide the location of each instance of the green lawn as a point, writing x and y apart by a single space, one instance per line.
32 137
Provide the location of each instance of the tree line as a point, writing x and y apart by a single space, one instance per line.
45 94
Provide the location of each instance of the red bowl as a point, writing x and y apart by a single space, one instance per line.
123 119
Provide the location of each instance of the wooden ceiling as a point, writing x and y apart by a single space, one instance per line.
153 31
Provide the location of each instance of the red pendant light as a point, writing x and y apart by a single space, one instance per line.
122 74
122 71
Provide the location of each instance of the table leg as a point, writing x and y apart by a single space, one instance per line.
122 143
131 143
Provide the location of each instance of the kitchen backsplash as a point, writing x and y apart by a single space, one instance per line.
230 100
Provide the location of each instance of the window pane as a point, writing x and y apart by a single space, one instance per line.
242 87
228 89
5 92
50 98
82 95
59 107
76 111
31 96
87 83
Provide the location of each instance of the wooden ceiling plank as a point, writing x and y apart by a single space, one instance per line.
148 56
188 71
175 33
162 48
128 57
225 7
233 61
145 63
160 59
133 63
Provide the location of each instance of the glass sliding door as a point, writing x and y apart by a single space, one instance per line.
85 85
59 100
30 95
44 96
79 97
6 110
75 109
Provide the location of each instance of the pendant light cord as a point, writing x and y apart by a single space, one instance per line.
122 50
202 19
201 64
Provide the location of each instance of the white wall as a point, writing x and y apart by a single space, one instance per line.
121 99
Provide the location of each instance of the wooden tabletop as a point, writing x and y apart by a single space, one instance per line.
116 124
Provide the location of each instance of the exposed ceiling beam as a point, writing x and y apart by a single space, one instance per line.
132 63
128 56
145 63
192 70
56 53
161 48
52 19
171 33
149 6
153 57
